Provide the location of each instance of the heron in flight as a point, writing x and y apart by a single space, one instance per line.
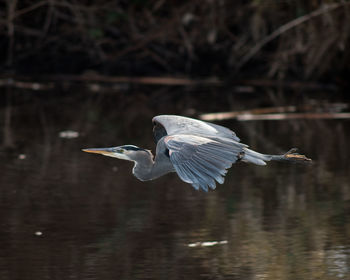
199 152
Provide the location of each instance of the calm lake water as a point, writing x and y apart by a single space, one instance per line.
66 214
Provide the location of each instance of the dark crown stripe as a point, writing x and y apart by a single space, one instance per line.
132 148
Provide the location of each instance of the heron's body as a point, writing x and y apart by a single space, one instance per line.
199 152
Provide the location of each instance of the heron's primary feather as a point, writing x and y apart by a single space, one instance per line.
201 161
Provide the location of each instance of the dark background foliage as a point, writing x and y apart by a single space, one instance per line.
304 40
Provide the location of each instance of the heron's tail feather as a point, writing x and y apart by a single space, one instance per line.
260 159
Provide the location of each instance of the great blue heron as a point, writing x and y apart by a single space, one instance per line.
199 152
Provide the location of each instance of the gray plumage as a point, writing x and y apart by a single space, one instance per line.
199 152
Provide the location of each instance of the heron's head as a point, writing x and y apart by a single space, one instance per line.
126 152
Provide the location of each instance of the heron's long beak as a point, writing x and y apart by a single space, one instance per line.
115 152
102 151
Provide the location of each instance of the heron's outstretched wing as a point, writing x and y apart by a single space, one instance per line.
201 161
171 124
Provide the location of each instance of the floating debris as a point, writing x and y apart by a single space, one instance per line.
38 233
22 156
207 243
94 87
69 134
25 85
115 169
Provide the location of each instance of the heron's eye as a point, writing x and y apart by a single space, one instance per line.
121 151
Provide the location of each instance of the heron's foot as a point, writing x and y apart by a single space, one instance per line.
292 155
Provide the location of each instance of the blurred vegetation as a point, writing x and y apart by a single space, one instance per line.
274 39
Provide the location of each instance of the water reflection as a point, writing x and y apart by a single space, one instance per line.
96 221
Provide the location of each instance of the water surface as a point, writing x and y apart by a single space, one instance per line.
65 214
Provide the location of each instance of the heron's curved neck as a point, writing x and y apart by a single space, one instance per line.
146 169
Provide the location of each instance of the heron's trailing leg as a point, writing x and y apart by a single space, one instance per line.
292 156
259 159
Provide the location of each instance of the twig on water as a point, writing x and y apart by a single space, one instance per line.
292 116
232 115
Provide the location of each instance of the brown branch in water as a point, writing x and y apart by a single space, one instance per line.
169 81
232 115
95 78
11 83
292 116
327 111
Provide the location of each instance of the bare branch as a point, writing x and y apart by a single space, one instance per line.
284 28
